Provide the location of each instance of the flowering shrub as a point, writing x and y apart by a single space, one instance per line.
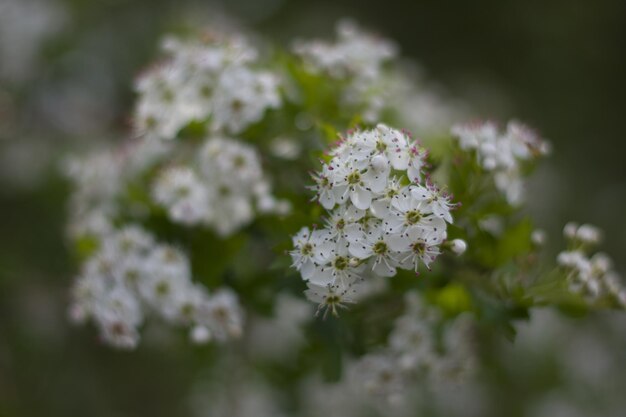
209 219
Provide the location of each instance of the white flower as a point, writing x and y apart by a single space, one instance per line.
438 201
342 224
310 249
412 337
335 266
330 298
183 194
118 313
382 250
409 213
382 205
354 54
588 234
286 148
358 182
161 109
357 59
236 185
591 277
222 315
380 375
324 187
241 98
420 246
502 153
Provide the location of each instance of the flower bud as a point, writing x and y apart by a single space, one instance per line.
200 335
538 237
379 162
569 231
588 234
601 262
458 246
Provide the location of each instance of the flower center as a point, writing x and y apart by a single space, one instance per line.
391 193
162 288
239 161
413 216
307 249
205 91
380 248
170 256
236 105
354 178
381 146
187 310
333 299
419 248
341 223
132 275
183 191
341 263
168 95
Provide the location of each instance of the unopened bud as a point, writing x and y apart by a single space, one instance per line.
458 246
588 234
379 162
569 231
200 335
538 237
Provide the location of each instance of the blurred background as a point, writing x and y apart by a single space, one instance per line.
66 73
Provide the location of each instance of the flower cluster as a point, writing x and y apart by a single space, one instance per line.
220 191
416 350
132 276
381 216
502 152
592 277
207 81
100 178
356 57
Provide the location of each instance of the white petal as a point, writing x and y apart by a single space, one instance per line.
376 181
341 193
398 243
361 250
361 197
327 200
380 208
399 159
322 276
420 193
383 270
307 270
353 232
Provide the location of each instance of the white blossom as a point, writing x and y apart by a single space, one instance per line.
502 153
183 194
132 277
358 59
210 81
223 188
592 277
381 217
